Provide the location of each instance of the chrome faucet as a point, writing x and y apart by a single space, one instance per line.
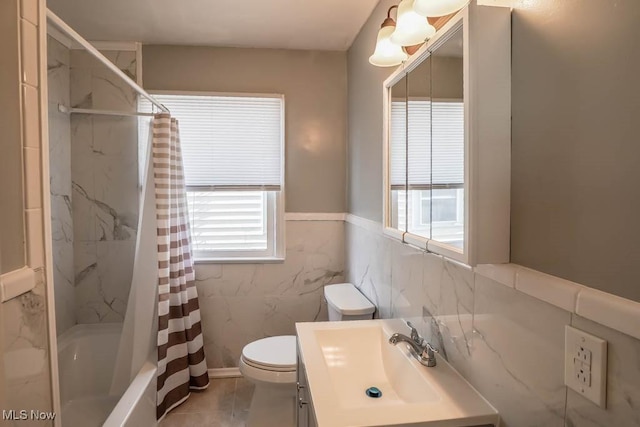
418 347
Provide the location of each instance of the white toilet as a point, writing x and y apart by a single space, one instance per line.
270 363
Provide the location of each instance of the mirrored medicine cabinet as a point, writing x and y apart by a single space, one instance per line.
447 140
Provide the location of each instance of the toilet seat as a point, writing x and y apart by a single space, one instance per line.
275 354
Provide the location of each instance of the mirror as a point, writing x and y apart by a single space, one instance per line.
447 198
426 147
397 155
419 150
449 164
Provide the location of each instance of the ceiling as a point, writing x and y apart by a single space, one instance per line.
288 24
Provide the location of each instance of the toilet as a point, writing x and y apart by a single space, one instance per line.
270 363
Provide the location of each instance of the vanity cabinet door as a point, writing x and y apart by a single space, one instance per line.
305 415
302 401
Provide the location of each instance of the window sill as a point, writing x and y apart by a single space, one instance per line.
239 260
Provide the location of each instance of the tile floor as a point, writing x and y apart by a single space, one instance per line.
224 404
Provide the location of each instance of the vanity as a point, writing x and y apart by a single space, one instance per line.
447 121
349 374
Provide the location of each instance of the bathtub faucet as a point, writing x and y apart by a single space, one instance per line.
418 347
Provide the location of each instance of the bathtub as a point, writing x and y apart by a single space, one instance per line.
86 358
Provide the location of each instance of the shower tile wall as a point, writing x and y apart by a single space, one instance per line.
104 173
508 345
240 303
58 60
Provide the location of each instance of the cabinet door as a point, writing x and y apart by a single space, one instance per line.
419 186
397 157
447 199
447 189
302 405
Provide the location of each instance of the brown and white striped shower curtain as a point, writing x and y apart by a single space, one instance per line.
181 362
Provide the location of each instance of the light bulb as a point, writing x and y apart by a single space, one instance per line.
387 53
411 28
433 8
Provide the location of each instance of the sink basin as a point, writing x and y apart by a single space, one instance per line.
367 359
343 359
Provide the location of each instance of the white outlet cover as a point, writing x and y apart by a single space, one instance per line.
575 340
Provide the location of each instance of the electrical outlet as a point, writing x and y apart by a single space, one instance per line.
582 372
585 366
583 354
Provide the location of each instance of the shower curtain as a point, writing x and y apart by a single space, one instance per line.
181 361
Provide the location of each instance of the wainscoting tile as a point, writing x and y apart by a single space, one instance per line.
35 238
369 260
29 10
282 312
31 117
449 293
406 283
32 178
29 50
240 303
623 382
518 355
24 327
554 290
314 258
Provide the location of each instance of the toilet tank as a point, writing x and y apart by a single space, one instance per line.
345 302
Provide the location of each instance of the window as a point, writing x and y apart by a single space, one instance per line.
232 149
428 199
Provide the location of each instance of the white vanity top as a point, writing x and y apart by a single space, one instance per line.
343 359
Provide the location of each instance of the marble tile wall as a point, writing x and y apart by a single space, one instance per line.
623 382
507 344
241 303
58 74
105 187
26 354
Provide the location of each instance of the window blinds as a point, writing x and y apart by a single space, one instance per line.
431 144
447 150
229 142
228 221
398 145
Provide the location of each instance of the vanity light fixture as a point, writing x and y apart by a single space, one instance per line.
397 41
434 8
411 28
387 53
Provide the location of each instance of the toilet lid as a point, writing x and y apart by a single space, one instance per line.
273 352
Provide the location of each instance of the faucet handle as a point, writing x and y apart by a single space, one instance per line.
415 336
428 356
431 348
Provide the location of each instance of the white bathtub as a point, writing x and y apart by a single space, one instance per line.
86 358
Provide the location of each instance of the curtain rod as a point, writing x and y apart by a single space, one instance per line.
66 110
64 27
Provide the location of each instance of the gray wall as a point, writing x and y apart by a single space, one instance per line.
314 84
11 215
574 143
364 171
576 100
